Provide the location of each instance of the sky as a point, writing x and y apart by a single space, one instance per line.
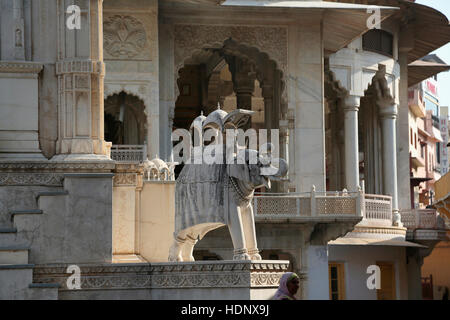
443 53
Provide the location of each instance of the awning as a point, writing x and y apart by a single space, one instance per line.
373 242
342 22
419 71
442 195
415 181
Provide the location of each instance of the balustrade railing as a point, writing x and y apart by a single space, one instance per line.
421 219
128 153
375 209
378 207
307 204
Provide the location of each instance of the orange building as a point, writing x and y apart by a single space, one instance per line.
436 266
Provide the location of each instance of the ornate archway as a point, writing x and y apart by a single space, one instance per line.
201 81
125 119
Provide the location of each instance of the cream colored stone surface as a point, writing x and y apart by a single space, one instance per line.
19 121
305 98
131 56
157 220
124 219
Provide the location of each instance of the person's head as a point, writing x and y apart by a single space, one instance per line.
293 284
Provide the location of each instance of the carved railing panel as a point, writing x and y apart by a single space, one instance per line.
128 153
378 207
420 219
327 205
307 204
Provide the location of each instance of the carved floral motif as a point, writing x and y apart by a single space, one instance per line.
31 179
125 179
124 36
167 275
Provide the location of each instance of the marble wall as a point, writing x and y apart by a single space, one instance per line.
131 55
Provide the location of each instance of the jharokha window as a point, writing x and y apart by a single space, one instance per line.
379 41
336 281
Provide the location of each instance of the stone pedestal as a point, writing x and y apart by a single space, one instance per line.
203 280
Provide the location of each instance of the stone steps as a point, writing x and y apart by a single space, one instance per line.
16 284
9 237
15 255
16 274
24 212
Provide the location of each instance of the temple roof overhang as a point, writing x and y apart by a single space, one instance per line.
430 27
342 22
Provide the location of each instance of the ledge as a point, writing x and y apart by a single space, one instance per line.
88 175
51 194
44 285
16 266
171 275
20 67
14 248
29 166
8 230
306 219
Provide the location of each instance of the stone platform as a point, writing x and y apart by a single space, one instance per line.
202 280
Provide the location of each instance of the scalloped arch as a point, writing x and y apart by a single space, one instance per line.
239 49
111 89
335 83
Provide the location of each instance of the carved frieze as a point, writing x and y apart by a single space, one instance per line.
217 274
31 179
80 66
125 179
36 167
124 37
20 67
192 38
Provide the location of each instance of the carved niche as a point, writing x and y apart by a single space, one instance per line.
124 37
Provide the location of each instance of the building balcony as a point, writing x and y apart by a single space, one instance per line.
424 224
374 210
416 158
372 214
307 206
416 104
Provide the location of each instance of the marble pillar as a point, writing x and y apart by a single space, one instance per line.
80 71
305 85
388 114
351 108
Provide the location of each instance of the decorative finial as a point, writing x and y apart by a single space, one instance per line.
201 113
218 105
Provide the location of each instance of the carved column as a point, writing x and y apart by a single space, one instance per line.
243 81
267 93
388 115
80 70
19 30
244 91
351 108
